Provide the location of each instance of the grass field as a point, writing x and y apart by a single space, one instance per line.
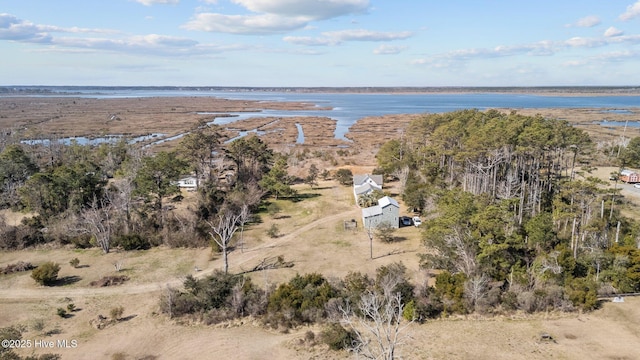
313 238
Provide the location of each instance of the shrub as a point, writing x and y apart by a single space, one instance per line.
17 267
46 274
132 242
74 262
273 231
109 281
385 232
116 312
71 307
583 293
302 299
409 311
337 337
344 176
274 209
61 312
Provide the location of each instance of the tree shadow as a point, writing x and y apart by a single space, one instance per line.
127 318
51 332
394 252
301 197
67 280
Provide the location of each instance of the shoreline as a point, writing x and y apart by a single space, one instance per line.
98 91
51 117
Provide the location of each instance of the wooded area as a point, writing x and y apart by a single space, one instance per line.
512 220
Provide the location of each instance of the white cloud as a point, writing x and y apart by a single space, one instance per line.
389 49
587 21
338 37
580 42
633 11
274 16
154 2
612 31
533 49
617 56
313 9
14 28
245 24
367 35
309 41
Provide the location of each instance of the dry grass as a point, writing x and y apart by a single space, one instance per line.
312 237
313 243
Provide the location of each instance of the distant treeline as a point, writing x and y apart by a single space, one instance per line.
43 89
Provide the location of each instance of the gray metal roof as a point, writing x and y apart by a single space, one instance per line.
361 179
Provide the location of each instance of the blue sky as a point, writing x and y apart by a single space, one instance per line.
320 42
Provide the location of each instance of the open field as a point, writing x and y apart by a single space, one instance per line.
314 240
311 236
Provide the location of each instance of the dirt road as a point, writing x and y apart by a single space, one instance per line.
237 261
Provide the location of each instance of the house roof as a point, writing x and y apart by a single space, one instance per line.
371 211
377 209
361 179
386 201
627 172
362 189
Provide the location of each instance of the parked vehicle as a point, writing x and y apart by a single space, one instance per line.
405 221
416 221
636 185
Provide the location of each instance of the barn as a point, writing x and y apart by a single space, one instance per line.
387 211
629 176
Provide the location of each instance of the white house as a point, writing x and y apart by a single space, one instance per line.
387 211
189 183
365 184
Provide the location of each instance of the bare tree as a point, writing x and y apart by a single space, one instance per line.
476 289
370 233
222 231
120 195
402 173
95 220
380 331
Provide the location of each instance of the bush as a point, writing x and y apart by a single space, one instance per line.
219 297
109 281
302 299
273 231
344 176
74 262
116 312
46 274
132 242
337 337
61 312
385 232
274 209
17 267
583 293
71 307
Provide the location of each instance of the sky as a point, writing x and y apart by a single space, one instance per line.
320 42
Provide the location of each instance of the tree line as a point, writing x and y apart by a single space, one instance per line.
514 219
119 194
